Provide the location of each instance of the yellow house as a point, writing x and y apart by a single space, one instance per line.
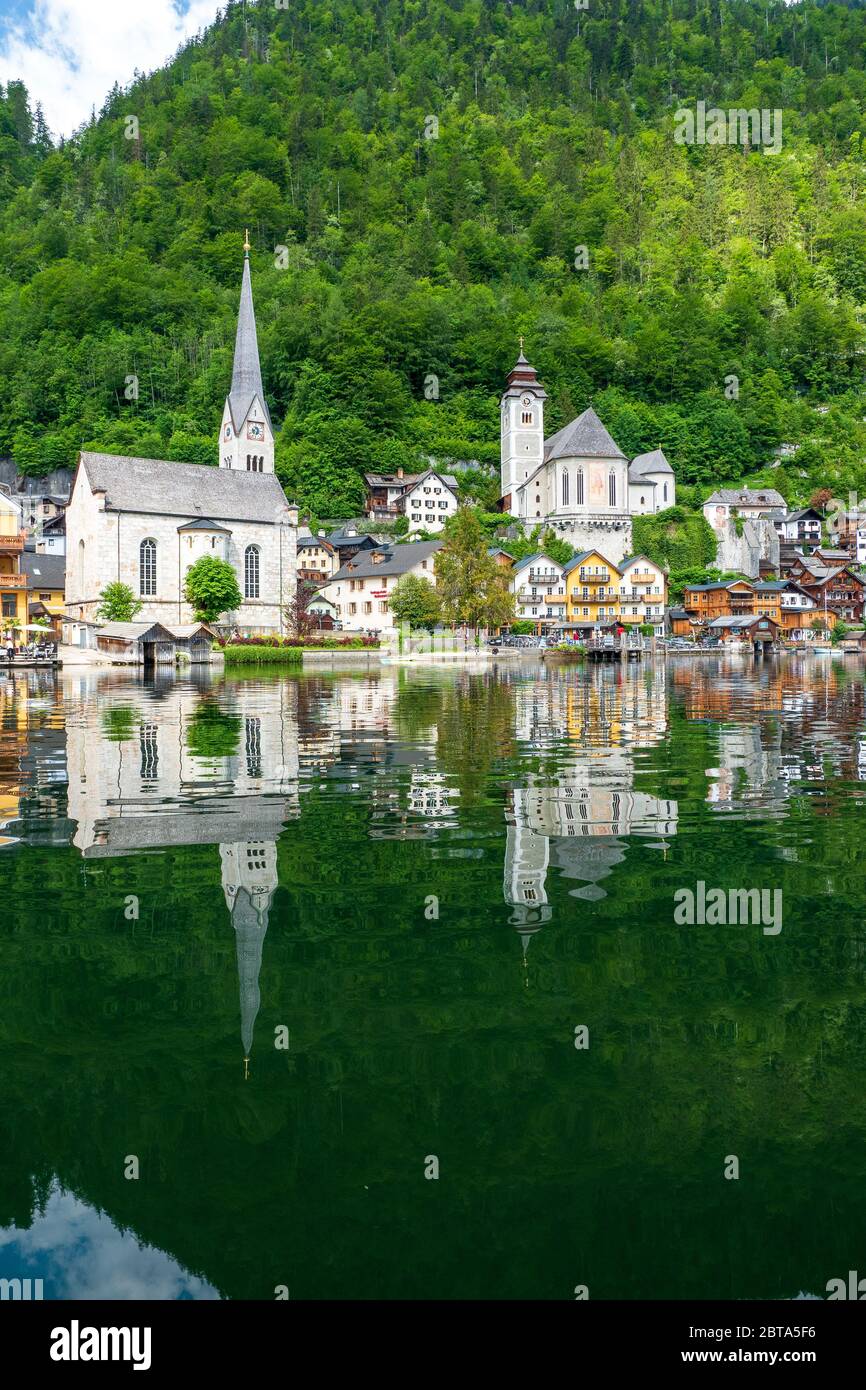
13 584
642 592
592 589
46 588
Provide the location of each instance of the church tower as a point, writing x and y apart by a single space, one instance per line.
521 429
249 879
246 435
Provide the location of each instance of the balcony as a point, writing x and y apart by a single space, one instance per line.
13 545
642 578
13 581
586 577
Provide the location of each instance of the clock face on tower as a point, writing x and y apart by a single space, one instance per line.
255 431
527 400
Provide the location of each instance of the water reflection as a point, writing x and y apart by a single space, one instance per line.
283 835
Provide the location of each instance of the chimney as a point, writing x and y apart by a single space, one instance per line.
351 531
322 535
399 472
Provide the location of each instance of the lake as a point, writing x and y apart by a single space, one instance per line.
372 985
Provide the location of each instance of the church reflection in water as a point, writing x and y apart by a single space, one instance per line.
179 769
576 817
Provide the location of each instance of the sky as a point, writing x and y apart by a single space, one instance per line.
69 53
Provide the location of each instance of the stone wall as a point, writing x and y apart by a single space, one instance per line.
743 553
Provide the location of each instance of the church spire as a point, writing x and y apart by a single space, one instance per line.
247 436
247 371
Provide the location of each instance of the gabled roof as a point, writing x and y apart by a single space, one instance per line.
154 487
743 620
246 370
583 557
747 497
531 560
340 540
133 632
802 514
396 559
654 462
585 437
630 559
203 523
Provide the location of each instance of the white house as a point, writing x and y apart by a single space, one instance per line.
144 522
538 585
578 482
749 503
361 589
642 592
425 499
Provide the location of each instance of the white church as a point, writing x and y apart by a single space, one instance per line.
144 522
578 482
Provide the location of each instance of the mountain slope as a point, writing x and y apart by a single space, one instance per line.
411 264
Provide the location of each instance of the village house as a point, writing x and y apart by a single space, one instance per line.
749 503
46 588
744 630
538 585
425 499
361 589
144 522
838 591
13 581
848 533
347 541
317 559
642 592
51 537
801 527
592 589
706 602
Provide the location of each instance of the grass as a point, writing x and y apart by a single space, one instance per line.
254 655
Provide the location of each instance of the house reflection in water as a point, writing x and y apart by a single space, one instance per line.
576 818
185 769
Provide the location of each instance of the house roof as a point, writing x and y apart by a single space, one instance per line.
314 543
629 559
802 514
747 497
184 631
654 462
396 559
154 487
583 557
246 369
744 620
408 479
133 632
585 437
44 571
719 584
340 540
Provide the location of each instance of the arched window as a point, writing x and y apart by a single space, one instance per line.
251 571
579 488
147 568
666 492
565 489
611 488
81 569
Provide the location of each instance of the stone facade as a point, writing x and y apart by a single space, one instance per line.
106 547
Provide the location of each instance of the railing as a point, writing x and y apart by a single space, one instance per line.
13 581
587 578
13 543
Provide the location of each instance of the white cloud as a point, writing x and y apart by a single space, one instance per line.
69 53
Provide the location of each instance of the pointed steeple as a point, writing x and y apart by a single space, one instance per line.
247 371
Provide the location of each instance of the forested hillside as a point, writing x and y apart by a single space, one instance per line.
410 258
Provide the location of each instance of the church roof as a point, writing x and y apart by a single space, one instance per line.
203 523
247 371
154 487
586 437
649 463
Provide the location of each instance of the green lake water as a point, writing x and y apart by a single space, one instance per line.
290 944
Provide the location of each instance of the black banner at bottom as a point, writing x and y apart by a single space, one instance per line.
165 1338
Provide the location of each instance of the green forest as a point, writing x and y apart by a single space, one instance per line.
419 177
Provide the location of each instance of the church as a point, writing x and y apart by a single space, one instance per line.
144 522
578 482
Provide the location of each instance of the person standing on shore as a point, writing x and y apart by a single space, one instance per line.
10 647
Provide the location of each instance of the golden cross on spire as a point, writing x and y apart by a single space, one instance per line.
247 246
521 342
